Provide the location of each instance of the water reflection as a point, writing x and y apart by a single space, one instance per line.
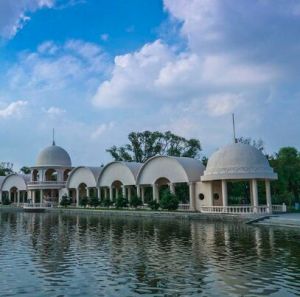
54 255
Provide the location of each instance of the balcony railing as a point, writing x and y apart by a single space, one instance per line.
46 182
243 209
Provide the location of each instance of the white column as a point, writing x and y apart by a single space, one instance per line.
143 194
9 196
77 197
111 193
224 193
154 192
33 196
99 193
87 192
41 196
211 194
138 190
18 197
192 196
0 196
255 194
172 188
123 191
268 195
105 193
129 193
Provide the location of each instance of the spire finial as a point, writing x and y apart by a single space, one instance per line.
53 138
233 127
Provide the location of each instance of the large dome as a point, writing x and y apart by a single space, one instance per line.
238 161
53 156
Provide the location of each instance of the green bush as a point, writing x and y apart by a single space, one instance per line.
94 201
135 201
83 201
65 201
121 202
5 201
153 205
105 202
169 201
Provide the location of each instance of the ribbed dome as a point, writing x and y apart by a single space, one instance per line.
238 161
53 156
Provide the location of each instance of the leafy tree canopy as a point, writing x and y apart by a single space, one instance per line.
25 170
259 144
144 145
6 168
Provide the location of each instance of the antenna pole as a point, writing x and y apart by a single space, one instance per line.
233 127
53 140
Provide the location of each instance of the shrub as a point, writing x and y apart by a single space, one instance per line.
169 201
94 201
83 201
5 201
135 201
153 205
65 201
121 202
105 202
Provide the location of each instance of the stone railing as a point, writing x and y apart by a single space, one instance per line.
243 209
183 207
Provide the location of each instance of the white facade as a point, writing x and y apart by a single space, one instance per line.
53 176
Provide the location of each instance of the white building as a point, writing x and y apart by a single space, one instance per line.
53 176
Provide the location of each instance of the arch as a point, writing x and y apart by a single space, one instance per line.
83 190
66 174
82 174
14 181
174 169
124 172
51 175
35 175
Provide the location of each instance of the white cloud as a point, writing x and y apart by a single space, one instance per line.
104 37
13 14
221 104
54 111
54 66
101 129
13 109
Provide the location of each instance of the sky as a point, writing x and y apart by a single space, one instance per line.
95 70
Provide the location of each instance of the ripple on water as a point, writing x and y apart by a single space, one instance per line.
60 255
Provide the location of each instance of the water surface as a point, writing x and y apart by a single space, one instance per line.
65 255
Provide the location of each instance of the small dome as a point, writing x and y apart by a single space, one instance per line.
53 156
238 161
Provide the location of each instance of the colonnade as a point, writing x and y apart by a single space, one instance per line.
112 192
253 194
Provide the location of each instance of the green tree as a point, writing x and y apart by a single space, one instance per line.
121 202
259 144
135 201
83 201
94 201
65 201
169 201
6 168
153 205
25 170
144 145
287 165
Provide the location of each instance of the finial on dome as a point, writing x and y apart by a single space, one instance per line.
233 127
53 140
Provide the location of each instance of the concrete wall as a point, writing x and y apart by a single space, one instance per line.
81 175
14 180
205 189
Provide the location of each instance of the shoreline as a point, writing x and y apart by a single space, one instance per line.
179 215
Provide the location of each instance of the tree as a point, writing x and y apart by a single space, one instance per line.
169 201
287 165
121 202
259 144
6 168
83 201
25 170
144 145
94 201
135 201
65 201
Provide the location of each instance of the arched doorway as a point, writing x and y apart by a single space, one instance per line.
35 175
13 195
51 175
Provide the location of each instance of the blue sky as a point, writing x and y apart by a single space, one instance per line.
97 69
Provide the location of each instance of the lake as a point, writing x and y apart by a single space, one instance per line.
82 255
